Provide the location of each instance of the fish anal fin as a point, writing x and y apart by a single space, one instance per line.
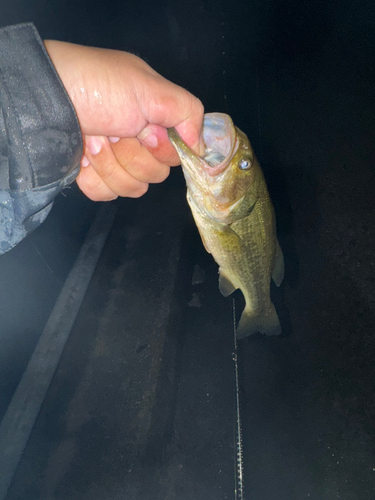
226 287
278 269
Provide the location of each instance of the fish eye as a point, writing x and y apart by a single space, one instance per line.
244 165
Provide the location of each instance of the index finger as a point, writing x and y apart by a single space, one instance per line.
155 139
169 105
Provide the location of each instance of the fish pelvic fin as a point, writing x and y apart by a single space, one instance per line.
249 323
226 287
279 267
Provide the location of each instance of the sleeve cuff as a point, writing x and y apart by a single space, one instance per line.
40 137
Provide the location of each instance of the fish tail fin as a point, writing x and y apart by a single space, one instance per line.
250 323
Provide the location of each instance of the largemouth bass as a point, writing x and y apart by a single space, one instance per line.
228 197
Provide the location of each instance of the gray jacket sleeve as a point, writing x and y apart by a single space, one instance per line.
40 138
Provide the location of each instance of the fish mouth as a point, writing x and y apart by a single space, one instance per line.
220 142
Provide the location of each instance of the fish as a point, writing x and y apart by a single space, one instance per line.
231 206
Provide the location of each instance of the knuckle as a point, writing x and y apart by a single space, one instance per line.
101 195
96 197
106 169
89 191
139 191
94 188
195 104
154 175
162 175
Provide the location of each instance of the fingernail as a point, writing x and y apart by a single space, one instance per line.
148 137
94 145
85 162
114 139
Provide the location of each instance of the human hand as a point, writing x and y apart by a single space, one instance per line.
124 107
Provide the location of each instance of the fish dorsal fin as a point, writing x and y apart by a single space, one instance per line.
226 287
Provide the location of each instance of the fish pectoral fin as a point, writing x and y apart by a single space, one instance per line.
278 269
226 287
235 227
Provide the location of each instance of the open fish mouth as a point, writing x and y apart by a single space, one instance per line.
220 142
219 136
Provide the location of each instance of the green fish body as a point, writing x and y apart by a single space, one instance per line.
228 197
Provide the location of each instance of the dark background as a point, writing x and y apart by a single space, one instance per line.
141 405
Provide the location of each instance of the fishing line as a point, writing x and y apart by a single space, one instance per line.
223 55
239 486
259 113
